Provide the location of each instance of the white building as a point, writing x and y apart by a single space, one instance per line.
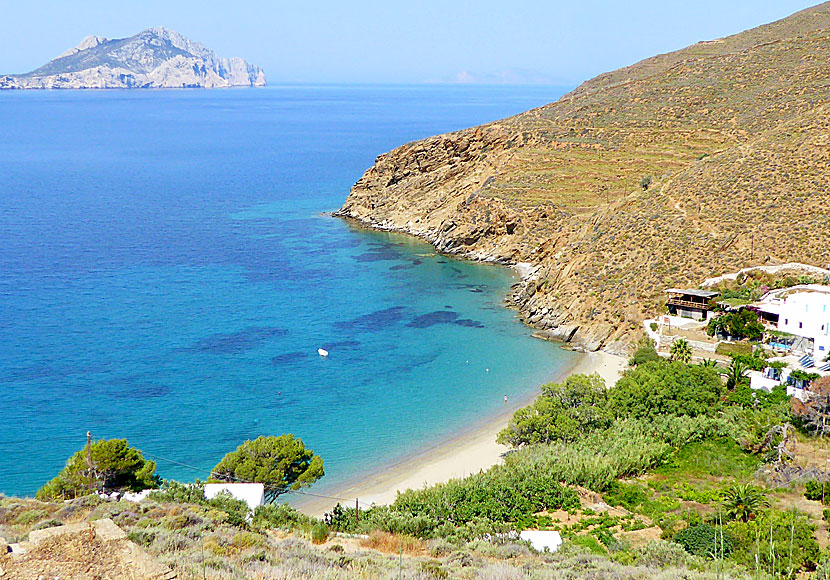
251 493
804 312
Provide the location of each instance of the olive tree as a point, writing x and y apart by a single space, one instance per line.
281 464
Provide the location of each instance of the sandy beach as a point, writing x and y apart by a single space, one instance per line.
462 455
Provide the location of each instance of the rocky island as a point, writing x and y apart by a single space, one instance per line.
153 58
661 174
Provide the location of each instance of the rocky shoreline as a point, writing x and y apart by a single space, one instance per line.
662 174
549 323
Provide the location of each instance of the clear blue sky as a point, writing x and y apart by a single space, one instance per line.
390 41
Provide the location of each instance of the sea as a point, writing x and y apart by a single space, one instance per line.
169 269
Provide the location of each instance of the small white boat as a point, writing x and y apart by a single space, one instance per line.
322 352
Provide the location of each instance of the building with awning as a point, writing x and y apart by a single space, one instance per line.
690 303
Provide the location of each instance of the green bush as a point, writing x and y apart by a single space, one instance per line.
281 516
319 533
175 492
502 494
817 491
666 388
627 495
705 541
563 412
660 554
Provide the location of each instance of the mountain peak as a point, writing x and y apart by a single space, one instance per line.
154 58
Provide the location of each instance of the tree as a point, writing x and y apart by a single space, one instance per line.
563 412
743 502
281 463
681 351
735 374
814 412
666 388
115 466
743 324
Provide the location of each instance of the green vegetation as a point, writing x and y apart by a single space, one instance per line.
681 351
705 541
741 324
659 388
108 465
743 502
668 444
563 412
280 463
645 352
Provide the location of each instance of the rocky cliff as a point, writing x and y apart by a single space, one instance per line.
661 174
153 58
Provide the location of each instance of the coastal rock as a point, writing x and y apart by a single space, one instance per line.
662 174
153 58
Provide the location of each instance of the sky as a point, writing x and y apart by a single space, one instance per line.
369 41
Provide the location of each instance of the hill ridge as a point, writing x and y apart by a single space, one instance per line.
693 163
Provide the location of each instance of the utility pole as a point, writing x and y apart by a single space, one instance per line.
356 512
89 458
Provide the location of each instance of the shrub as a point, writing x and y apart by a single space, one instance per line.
705 541
817 491
666 388
319 533
627 495
281 516
660 554
502 494
175 492
564 411
244 540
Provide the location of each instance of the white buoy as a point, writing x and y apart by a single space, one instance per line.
487 370
322 352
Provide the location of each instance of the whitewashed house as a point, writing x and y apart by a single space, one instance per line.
252 494
803 312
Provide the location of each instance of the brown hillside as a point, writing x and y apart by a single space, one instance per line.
733 134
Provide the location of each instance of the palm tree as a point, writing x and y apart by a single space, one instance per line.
709 363
735 374
743 502
681 350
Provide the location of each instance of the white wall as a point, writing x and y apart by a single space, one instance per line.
806 312
251 493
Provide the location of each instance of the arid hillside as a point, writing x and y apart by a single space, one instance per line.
680 167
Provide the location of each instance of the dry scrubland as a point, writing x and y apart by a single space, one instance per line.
661 174
199 543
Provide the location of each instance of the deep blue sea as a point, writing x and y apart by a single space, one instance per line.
168 272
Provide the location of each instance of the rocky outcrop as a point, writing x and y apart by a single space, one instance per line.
153 58
662 174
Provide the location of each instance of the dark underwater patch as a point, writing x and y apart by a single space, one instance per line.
377 320
378 255
433 318
468 322
342 345
288 357
237 342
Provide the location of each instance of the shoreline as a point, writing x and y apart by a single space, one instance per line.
466 452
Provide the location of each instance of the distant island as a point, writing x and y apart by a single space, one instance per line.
155 58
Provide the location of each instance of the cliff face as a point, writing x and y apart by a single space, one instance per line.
661 174
153 58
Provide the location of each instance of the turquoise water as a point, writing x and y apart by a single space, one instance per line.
167 274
